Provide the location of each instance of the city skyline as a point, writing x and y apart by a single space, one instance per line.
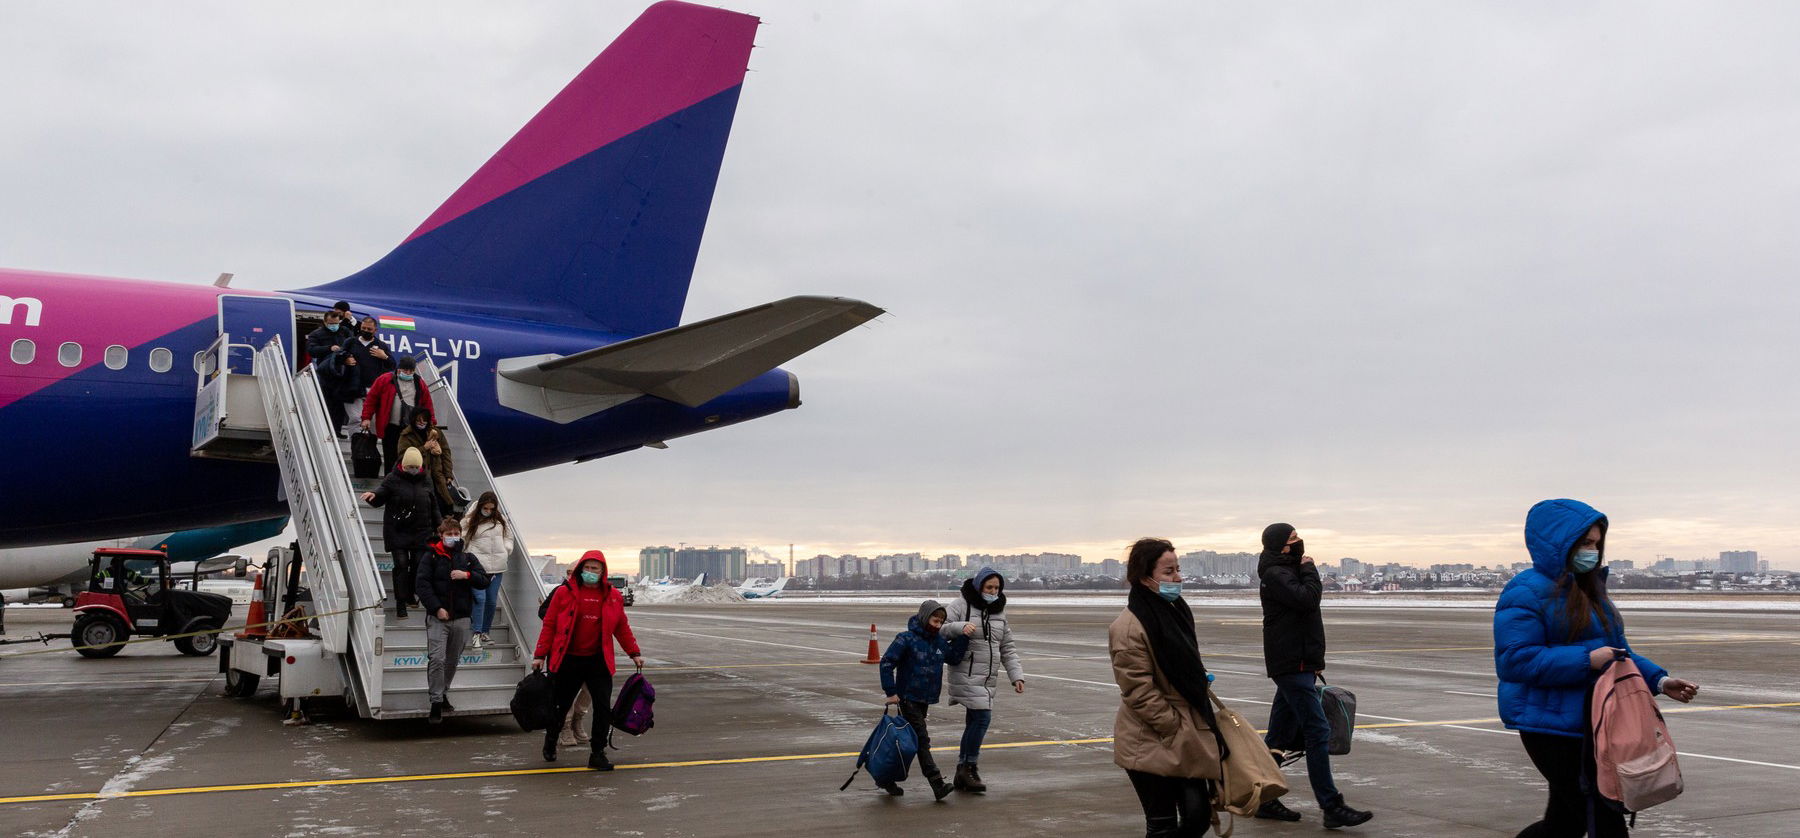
626 560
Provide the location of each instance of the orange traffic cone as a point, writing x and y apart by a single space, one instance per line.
874 651
258 614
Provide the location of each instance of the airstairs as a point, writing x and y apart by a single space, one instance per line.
380 660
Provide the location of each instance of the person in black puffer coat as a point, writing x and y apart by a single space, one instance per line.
447 580
409 517
1294 653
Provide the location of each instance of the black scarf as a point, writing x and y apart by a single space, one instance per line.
1170 628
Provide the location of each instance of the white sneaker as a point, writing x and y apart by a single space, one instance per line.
475 642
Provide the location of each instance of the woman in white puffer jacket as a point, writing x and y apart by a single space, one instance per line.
974 683
489 541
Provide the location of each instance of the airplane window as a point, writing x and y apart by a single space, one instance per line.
23 350
161 359
116 356
69 354
200 362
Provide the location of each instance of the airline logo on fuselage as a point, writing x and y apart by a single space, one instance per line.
32 306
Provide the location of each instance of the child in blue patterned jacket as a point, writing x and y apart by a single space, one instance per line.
912 675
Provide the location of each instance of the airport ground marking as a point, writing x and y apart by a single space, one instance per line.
525 772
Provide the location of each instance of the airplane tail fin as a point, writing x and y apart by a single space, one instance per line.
592 214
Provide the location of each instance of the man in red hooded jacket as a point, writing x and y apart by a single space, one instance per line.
582 619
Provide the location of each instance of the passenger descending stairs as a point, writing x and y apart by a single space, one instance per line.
387 669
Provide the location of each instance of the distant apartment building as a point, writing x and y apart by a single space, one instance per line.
765 570
1739 561
1209 563
718 563
656 562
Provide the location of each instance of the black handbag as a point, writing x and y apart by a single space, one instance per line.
365 455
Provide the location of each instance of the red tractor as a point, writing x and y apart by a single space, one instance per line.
130 592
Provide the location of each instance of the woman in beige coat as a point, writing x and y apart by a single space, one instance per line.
1164 734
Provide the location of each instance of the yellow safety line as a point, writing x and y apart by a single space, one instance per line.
524 772
744 666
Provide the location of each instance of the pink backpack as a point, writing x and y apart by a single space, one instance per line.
1634 758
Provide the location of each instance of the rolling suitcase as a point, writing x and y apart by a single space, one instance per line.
365 455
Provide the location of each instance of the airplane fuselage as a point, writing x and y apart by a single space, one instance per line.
97 439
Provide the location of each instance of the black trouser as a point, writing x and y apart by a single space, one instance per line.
390 441
914 714
566 683
334 406
1173 806
406 576
1558 758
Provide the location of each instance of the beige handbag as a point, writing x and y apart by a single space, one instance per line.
1251 777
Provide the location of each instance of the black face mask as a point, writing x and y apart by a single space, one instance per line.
1297 549
368 336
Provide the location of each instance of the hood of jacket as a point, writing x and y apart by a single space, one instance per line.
918 621
1553 527
1274 540
971 591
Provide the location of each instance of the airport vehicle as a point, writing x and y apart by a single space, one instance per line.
64 566
623 586
549 289
762 588
131 592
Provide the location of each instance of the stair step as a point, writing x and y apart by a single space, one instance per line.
470 700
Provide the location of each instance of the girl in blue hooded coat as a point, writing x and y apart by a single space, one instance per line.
1554 629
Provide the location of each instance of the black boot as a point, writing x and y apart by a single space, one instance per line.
437 713
599 762
1166 827
1275 810
968 780
550 746
940 789
892 788
1342 815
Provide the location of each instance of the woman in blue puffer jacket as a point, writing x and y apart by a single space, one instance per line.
1554 629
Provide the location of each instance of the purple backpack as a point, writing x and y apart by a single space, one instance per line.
633 711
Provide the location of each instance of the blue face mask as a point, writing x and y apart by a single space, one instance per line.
590 577
991 598
1585 560
404 376
451 541
331 327
1170 591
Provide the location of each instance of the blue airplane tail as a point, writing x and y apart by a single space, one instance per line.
591 216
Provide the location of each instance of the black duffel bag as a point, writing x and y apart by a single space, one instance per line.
533 707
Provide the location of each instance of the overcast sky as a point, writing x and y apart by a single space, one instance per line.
1389 272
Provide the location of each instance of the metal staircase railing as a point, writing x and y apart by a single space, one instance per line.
521 588
340 565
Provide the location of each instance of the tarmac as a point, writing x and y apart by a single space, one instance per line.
761 707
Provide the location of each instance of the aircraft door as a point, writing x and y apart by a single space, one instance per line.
251 322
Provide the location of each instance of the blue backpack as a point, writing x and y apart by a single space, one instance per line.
889 752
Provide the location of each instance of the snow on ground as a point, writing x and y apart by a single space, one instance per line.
656 595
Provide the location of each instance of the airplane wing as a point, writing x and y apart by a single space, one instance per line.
689 365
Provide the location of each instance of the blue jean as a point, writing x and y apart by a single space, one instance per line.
486 600
1297 703
975 727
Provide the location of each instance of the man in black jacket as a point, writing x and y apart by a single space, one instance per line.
367 358
447 581
1294 653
